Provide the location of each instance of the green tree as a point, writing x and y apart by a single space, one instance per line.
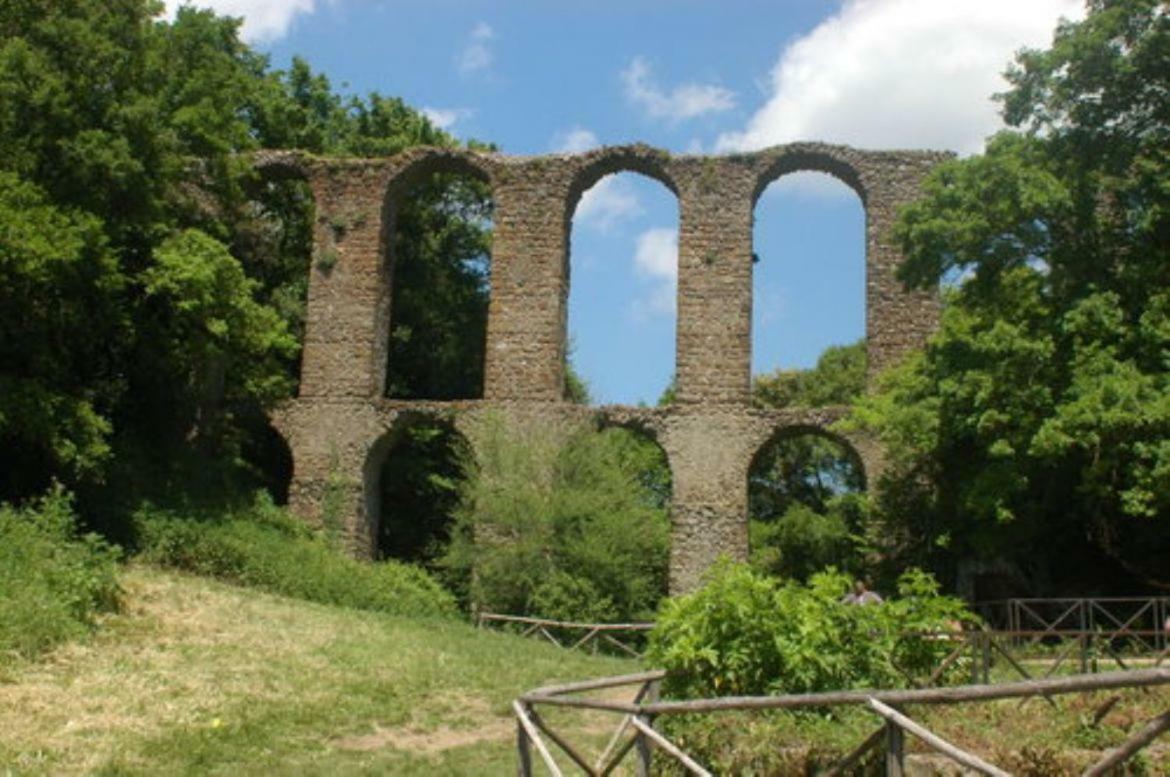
803 503
1040 413
207 325
561 520
838 378
58 279
127 136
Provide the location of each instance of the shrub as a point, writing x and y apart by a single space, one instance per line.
261 546
746 633
803 541
562 520
53 581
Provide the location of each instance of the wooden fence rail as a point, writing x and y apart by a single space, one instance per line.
595 634
1110 616
981 648
641 713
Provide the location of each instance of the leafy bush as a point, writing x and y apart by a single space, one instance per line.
263 547
53 582
746 633
561 520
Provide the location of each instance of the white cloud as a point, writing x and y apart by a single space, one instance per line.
574 141
656 258
806 186
445 118
683 102
608 202
477 55
900 74
770 306
264 20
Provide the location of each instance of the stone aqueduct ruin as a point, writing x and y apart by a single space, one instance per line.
340 428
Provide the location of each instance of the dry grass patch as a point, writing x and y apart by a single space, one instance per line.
197 676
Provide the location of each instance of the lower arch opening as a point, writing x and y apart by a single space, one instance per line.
807 509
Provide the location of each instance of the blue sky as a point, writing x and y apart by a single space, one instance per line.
538 76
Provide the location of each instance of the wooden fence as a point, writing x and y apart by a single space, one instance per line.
581 636
1140 619
1024 653
635 732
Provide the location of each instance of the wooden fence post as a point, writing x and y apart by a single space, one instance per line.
895 750
524 751
645 750
1115 758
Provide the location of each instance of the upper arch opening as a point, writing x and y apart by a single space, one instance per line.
622 274
437 240
808 278
643 160
799 158
421 164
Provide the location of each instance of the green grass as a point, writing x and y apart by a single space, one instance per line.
261 546
196 676
199 677
53 583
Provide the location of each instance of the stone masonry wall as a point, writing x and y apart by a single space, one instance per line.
340 427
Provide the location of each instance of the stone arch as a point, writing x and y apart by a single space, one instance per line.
281 163
592 167
647 428
595 165
837 285
377 456
809 157
791 431
418 164
644 428
413 169
269 453
803 509
645 424
644 421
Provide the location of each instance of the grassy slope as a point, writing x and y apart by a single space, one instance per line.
203 678
200 677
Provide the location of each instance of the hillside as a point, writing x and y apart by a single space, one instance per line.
201 677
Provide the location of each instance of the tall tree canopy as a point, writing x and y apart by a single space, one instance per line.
1036 425
151 286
